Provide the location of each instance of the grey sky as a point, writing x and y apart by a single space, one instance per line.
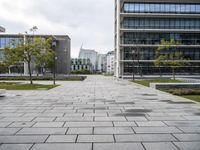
86 21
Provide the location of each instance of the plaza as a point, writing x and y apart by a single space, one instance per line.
100 113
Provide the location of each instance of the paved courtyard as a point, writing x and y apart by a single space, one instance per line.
100 113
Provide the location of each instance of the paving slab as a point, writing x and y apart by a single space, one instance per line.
61 139
117 146
95 138
160 146
69 146
15 146
188 145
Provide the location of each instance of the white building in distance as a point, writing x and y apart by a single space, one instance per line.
101 63
110 62
89 54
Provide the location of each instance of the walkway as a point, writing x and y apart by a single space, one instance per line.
99 113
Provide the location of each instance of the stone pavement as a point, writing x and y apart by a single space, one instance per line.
100 113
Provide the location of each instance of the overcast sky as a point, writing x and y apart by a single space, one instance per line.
87 22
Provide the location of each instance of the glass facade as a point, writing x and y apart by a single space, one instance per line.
161 8
149 53
155 38
161 23
6 42
149 39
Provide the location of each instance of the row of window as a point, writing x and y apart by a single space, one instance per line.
161 8
161 23
80 62
80 67
149 53
7 41
149 68
155 38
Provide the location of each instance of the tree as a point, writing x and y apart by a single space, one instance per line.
28 50
166 55
45 55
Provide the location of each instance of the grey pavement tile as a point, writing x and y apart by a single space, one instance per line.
4 124
160 146
80 131
188 137
95 138
88 124
190 129
69 146
156 130
124 124
118 146
8 131
61 138
15 146
49 124
45 119
110 119
113 130
145 138
183 123
96 114
166 118
136 118
192 118
21 124
188 145
23 139
74 119
150 123
37 131
18 119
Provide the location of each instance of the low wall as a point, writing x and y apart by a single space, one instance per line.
2 92
175 85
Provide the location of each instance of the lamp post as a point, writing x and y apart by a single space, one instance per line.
133 57
55 58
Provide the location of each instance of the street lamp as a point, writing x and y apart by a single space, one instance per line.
133 57
55 58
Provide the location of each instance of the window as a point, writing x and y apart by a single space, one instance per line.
142 8
137 8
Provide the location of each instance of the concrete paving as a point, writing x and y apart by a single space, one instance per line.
100 113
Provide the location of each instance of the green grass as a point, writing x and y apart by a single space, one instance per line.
147 82
73 78
193 97
18 86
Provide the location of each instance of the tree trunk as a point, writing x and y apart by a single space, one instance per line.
30 73
173 71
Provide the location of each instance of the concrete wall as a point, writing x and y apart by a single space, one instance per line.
63 54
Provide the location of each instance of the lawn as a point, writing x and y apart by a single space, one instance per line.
20 86
147 82
193 97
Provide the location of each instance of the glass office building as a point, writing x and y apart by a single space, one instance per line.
140 25
62 50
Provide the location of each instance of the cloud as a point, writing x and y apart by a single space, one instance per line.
86 21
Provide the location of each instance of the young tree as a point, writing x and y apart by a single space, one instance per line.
166 55
45 57
27 50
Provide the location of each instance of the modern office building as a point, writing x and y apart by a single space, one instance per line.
140 25
62 50
92 55
80 64
110 62
2 29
